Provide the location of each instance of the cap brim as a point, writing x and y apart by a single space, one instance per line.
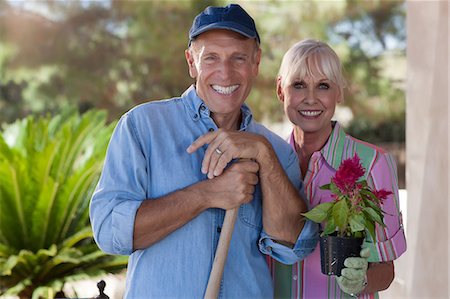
227 26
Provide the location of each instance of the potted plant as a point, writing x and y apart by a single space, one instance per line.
350 216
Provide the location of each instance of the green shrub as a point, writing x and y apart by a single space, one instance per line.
48 170
388 130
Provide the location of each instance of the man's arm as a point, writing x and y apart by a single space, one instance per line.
157 218
282 203
123 220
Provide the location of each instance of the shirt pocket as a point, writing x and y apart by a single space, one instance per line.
251 213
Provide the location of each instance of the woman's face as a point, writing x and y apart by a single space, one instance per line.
310 102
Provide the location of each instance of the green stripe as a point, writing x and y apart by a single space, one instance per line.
367 155
393 168
283 280
300 266
338 150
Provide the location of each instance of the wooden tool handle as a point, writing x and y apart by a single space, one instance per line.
212 290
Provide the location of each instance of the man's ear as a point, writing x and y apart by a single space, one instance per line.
257 62
191 63
280 92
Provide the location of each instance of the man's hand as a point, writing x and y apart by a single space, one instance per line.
282 203
157 218
224 146
353 278
233 188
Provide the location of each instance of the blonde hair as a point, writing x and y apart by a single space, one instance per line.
308 55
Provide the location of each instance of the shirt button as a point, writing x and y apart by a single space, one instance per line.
196 115
202 108
294 277
269 249
211 129
219 229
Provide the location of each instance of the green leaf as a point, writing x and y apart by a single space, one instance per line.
41 214
373 215
335 189
370 228
6 251
330 227
357 223
13 225
340 214
319 212
370 197
79 236
8 265
325 187
372 205
16 288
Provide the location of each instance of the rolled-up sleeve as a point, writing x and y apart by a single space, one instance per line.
305 244
120 190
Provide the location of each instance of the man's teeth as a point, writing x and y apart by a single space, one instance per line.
225 90
310 112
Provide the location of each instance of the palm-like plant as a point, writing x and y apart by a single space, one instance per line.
48 170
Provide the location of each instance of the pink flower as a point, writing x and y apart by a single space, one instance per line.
348 173
381 194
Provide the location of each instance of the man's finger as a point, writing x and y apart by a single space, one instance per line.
213 154
201 141
221 164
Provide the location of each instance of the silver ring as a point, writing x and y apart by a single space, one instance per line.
218 151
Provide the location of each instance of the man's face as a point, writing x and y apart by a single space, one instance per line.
224 64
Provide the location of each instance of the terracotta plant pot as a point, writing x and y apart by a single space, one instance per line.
334 250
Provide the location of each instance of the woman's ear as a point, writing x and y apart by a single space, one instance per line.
340 97
280 92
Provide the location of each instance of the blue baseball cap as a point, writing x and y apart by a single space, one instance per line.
231 17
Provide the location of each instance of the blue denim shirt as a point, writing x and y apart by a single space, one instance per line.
146 159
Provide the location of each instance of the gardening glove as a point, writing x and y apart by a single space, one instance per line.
353 278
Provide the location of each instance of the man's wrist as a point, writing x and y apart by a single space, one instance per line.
266 153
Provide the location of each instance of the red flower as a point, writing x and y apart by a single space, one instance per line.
347 174
381 194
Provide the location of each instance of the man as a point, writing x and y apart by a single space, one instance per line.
163 192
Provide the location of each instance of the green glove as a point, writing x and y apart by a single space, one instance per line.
353 278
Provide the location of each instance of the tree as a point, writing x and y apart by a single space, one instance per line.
114 55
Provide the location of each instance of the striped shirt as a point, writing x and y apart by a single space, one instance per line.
304 279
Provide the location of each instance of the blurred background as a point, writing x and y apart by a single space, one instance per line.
79 56
116 54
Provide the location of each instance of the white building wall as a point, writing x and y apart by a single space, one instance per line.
423 271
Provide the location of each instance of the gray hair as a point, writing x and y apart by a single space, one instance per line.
309 54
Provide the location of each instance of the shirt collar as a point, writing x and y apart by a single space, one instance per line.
332 151
197 109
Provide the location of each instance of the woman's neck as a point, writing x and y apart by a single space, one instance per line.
307 143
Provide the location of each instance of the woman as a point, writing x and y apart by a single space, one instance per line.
310 85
